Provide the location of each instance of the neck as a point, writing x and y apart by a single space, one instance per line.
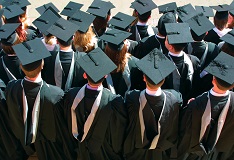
217 90
62 48
35 79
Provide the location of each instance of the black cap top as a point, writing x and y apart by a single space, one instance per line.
100 8
115 38
186 12
83 20
222 67
169 7
207 11
229 37
31 53
156 66
165 18
96 64
43 8
71 8
7 33
200 24
12 11
121 21
21 3
143 6
63 29
178 33
222 11
46 20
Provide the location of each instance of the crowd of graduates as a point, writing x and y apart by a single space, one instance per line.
96 86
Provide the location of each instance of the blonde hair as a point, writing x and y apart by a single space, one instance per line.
49 39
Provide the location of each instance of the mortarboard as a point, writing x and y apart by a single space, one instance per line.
207 11
121 21
143 6
31 53
2 84
7 33
100 8
222 67
46 20
222 11
115 38
229 37
71 8
96 64
186 12
43 8
12 11
21 3
83 20
200 24
156 66
63 29
178 33
165 18
169 7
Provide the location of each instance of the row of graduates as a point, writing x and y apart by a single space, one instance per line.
57 72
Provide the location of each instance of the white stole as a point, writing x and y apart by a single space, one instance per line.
35 113
89 121
206 118
143 101
8 72
58 72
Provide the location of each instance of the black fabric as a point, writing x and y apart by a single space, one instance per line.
105 137
133 147
142 30
65 58
213 37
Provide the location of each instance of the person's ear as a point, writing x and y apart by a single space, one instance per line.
84 75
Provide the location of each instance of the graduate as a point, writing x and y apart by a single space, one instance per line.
206 131
143 11
35 107
126 76
62 69
152 132
96 118
9 62
186 76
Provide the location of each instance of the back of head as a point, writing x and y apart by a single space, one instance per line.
222 85
144 17
165 18
63 43
221 20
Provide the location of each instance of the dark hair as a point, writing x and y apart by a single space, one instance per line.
150 83
179 47
223 85
228 48
196 37
63 43
144 17
92 81
220 23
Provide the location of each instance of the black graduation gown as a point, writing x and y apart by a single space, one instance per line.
190 131
48 71
187 88
142 30
107 132
52 140
213 37
13 64
133 146
136 78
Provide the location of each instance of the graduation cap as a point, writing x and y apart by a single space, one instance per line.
21 3
165 18
143 6
12 11
71 8
222 11
178 33
222 67
31 53
2 84
100 8
156 66
115 38
43 8
63 29
96 64
46 20
83 20
229 37
200 24
7 33
169 7
207 11
121 21
186 12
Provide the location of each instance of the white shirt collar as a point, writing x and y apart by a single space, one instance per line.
68 50
159 36
176 55
37 80
154 93
223 32
218 94
141 24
